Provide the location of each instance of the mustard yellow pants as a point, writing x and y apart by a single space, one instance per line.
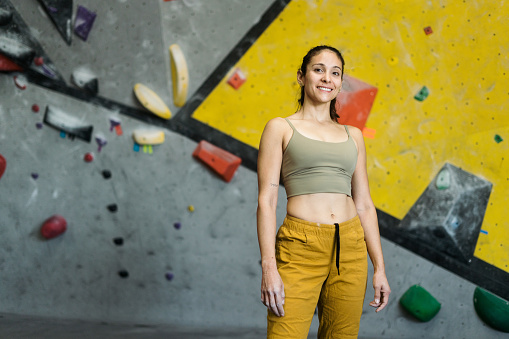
308 259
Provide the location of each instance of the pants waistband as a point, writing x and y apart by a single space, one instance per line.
320 229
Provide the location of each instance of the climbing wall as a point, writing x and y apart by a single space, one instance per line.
425 109
152 234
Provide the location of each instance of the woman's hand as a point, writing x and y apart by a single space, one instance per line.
382 291
273 291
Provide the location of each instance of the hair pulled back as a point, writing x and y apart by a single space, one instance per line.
303 68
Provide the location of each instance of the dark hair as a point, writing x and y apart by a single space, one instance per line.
303 68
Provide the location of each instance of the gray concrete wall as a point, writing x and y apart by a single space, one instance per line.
214 256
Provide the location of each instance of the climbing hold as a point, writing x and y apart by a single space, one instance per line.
151 101
136 147
38 125
112 208
148 136
5 16
101 142
498 139
115 124
220 161
57 118
85 79
35 108
420 303
393 61
20 82
35 176
16 51
177 225
7 65
60 13
38 61
83 22
123 274
169 276
423 94
106 174
62 134
53 227
492 309
190 208
3 164
368 132
237 79
119 241
179 75
443 179
428 30
89 157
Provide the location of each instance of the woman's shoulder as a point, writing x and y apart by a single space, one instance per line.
355 131
277 123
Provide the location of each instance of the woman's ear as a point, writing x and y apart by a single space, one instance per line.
300 78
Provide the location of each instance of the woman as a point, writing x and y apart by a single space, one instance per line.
319 254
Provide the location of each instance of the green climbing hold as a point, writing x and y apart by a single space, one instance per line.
492 309
420 303
423 94
498 138
443 179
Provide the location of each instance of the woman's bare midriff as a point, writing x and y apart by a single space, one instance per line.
324 208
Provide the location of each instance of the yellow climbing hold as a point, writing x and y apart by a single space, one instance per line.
151 101
190 208
148 136
179 75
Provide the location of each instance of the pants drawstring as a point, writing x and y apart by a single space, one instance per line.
337 246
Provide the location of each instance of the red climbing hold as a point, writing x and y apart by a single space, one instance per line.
3 164
38 61
7 64
53 227
428 30
237 79
222 162
89 157
35 108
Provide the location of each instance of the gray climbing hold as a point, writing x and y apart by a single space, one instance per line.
449 219
85 79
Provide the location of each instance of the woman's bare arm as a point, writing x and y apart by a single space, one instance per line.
367 214
270 155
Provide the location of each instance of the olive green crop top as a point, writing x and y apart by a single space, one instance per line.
315 166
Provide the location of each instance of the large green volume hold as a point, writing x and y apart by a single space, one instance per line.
420 303
492 309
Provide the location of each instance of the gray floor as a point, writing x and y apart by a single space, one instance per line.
25 327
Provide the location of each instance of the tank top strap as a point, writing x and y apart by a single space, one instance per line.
347 132
289 123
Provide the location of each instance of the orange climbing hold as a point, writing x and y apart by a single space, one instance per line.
53 227
220 161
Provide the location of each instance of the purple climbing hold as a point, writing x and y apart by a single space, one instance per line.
35 176
100 143
177 225
169 276
38 125
83 23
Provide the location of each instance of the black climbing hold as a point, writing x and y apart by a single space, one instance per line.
118 241
106 174
123 274
5 16
60 12
112 208
17 51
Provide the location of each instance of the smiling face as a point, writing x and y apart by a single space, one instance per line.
323 78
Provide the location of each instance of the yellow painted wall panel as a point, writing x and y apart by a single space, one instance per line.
464 63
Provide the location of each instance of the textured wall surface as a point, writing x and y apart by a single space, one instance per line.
214 255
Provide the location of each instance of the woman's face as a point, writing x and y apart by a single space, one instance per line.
322 81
